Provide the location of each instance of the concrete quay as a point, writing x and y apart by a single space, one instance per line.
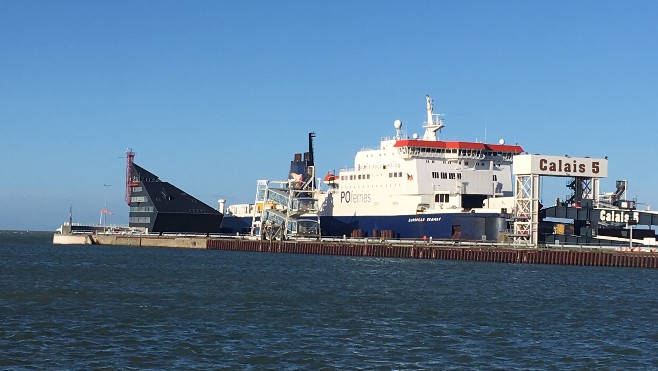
388 249
138 240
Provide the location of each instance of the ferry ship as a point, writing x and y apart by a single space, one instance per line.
418 187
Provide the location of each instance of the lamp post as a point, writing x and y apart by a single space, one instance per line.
631 223
104 211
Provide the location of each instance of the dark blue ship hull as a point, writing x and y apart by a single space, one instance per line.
458 226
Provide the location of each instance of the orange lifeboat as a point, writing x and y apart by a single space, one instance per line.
330 178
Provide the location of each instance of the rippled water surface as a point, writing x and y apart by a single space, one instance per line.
84 307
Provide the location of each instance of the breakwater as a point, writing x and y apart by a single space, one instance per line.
376 248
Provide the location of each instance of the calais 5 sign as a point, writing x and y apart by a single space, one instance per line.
586 167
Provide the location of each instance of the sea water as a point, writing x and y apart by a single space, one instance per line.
94 307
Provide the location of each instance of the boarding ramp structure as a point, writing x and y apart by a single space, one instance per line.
289 209
286 210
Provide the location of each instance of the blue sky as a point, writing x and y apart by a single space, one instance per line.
214 95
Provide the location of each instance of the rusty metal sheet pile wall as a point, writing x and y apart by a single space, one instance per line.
502 255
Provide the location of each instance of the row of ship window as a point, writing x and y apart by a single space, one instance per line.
397 174
355 177
460 152
435 175
443 175
456 162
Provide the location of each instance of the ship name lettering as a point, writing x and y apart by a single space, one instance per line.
423 219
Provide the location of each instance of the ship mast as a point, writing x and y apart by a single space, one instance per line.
434 121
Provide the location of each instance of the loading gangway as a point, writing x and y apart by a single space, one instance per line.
286 210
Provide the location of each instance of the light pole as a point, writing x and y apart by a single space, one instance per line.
104 211
631 223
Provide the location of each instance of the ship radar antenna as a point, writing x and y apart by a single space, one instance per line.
434 121
397 124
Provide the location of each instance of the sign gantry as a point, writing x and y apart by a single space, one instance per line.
529 168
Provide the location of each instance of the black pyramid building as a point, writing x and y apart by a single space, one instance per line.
161 207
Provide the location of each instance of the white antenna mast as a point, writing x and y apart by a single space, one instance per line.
434 121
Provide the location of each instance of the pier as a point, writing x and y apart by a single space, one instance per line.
445 250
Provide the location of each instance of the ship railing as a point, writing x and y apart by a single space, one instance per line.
366 149
371 166
400 136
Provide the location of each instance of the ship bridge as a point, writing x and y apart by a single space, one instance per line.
414 148
431 146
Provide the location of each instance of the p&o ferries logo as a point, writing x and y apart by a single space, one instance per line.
356 198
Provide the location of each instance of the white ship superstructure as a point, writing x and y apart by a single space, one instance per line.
420 176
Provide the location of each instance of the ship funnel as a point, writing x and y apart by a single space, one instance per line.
220 205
